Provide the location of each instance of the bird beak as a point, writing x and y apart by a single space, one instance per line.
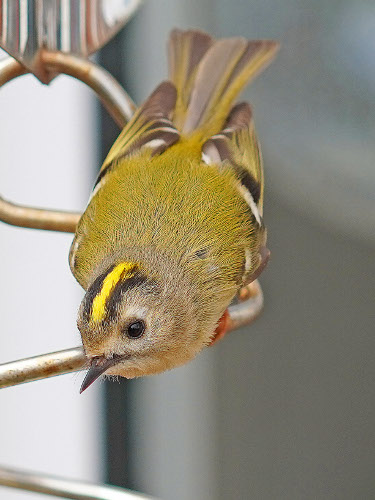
99 364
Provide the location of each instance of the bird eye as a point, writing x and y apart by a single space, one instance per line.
136 329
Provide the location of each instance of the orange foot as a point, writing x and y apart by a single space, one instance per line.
221 328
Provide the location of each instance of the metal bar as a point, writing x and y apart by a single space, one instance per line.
64 488
114 98
38 218
40 367
71 360
10 69
248 308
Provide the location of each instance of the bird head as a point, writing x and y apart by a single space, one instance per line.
133 323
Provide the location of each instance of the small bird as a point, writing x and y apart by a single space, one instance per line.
174 225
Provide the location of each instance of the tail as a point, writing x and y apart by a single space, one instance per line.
209 74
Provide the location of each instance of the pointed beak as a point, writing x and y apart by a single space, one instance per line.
99 365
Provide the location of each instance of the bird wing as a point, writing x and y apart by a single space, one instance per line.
149 128
237 145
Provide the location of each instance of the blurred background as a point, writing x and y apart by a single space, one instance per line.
283 409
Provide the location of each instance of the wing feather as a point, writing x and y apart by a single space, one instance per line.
150 128
150 119
237 144
185 51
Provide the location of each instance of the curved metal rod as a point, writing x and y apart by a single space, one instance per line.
115 100
9 69
64 488
43 366
250 304
37 218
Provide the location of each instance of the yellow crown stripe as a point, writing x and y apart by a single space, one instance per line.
122 271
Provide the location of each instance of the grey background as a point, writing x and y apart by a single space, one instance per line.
285 408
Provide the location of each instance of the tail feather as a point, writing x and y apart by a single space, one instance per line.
185 51
210 74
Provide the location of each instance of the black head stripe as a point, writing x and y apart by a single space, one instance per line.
92 292
121 288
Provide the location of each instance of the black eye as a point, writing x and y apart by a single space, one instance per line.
136 329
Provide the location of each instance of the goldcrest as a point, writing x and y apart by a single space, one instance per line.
174 226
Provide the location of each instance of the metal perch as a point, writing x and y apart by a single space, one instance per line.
37 218
65 488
